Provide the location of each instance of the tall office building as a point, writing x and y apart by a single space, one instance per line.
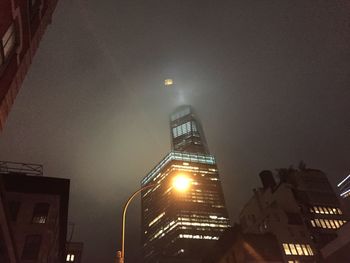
22 25
178 227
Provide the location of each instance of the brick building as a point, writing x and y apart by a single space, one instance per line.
33 215
22 25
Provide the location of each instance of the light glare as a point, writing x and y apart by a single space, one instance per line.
181 183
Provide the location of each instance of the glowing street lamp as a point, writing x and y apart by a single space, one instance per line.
180 183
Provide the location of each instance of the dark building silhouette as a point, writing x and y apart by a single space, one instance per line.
33 214
22 25
338 249
178 227
234 246
300 209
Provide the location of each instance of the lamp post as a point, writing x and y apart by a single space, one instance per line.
180 183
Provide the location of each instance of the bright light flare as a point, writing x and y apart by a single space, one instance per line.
181 183
168 82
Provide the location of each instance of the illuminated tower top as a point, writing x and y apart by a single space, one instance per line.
186 131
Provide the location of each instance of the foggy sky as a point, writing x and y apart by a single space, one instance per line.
269 80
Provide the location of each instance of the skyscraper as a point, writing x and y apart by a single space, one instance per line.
179 227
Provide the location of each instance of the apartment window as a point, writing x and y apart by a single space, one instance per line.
8 42
31 247
14 209
70 258
40 213
292 249
297 249
286 249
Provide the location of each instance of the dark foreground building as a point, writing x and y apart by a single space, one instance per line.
22 25
338 249
179 227
33 215
300 208
234 246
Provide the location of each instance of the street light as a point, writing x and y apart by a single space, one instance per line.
180 182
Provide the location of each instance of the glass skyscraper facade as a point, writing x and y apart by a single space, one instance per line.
178 227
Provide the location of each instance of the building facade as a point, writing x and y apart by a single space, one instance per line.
178 227
301 210
22 25
234 246
34 218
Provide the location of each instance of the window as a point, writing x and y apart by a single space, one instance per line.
70 258
13 209
286 249
8 42
31 247
182 129
40 213
292 248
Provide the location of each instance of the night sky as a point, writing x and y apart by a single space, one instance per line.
269 80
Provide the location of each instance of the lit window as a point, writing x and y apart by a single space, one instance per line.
336 223
292 249
323 223
327 223
313 223
70 258
168 82
332 223
8 41
339 211
299 249
310 250
286 249
40 213
318 222
305 250
316 210
321 210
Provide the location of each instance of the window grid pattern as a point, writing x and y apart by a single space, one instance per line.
70 258
179 156
297 249
184 128
326 210
327 223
